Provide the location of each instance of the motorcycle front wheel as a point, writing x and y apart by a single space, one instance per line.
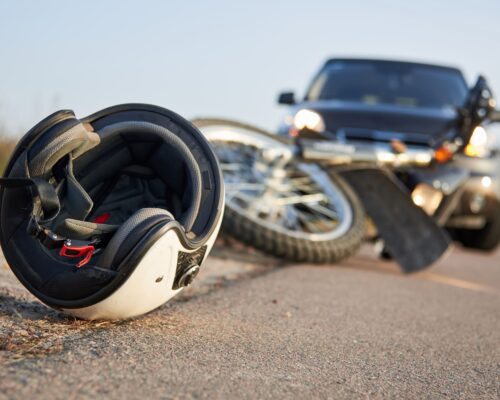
278 204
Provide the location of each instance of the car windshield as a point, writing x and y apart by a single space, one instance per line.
381 82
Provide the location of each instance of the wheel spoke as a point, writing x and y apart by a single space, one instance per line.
288 196
301 199
325 211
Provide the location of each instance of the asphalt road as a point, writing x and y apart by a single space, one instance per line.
252 329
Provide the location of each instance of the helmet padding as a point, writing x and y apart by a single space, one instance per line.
130 232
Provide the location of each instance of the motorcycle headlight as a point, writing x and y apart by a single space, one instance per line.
480 143
307 119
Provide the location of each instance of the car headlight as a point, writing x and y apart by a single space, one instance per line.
307 119
480 143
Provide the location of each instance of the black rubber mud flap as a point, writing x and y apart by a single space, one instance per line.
410 235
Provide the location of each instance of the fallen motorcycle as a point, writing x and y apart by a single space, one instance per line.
279 203
304 199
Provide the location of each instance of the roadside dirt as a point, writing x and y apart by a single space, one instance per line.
29 329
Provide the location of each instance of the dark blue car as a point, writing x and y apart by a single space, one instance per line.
353 101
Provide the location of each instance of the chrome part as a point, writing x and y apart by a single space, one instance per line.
477 203
467 221
427 197
355 151
264 184
188 275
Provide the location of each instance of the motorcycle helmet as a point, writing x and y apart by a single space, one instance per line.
110 216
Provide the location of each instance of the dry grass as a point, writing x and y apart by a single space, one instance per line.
6 147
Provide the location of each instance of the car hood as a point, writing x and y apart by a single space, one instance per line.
385 122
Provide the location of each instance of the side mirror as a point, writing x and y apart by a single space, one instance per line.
481 102
287 98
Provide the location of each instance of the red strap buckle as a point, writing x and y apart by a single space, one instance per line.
70 251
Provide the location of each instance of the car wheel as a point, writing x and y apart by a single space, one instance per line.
486 238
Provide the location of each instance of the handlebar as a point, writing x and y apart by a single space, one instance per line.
382 154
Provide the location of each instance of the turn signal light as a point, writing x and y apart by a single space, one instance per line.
443 154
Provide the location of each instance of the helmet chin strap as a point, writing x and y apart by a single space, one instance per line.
45 199
47 206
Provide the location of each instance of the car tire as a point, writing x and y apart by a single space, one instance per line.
486 238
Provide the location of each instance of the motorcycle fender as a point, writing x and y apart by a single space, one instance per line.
410 235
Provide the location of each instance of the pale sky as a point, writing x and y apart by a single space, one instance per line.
218 58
